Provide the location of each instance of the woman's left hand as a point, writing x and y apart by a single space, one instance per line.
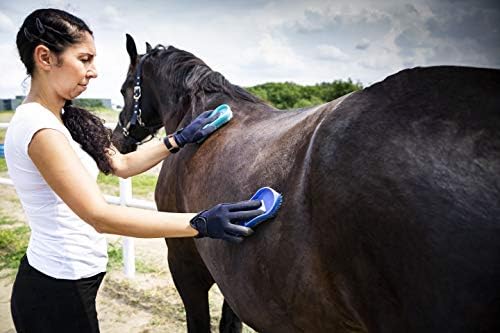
195 132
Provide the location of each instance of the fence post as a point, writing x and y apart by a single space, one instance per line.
128 242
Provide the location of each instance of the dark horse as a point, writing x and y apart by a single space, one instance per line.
391 212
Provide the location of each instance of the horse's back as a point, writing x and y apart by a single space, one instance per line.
404 181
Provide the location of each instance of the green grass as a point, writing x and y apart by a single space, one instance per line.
7 220
115 259
142 185
5 116
107 180
142 267
109 115
3 165
115 255
13 242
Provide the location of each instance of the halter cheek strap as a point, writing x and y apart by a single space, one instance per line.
136 115
136 119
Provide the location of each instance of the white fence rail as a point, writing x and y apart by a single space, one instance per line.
125 199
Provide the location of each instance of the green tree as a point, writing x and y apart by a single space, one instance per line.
287 95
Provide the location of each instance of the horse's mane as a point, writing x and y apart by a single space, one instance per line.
187 73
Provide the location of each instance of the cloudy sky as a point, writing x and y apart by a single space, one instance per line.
252 42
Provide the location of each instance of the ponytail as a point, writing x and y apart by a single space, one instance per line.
89 131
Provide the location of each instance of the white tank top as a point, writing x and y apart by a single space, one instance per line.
61 244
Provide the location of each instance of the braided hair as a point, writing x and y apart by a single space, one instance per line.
57 30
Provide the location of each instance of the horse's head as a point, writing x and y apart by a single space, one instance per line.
167 87
139 118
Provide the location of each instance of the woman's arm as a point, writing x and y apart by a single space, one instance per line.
134 163
56 160
141 160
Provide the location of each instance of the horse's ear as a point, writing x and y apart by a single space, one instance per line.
148 47
131 49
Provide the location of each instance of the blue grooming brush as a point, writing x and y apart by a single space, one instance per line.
225 115
271 202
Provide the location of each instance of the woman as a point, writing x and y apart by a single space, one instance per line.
55 178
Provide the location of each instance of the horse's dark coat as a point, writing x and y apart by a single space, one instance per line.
391 212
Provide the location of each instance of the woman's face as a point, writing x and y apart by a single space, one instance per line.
75 69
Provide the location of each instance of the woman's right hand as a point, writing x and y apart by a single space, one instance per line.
115 159
218 221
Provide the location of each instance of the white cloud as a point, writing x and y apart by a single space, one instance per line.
363 44
383 60
274 52
6 24
330 52
276 40
111 17
13 72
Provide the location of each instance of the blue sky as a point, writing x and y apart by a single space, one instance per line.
252 42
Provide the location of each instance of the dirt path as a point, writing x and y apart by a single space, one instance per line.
6 324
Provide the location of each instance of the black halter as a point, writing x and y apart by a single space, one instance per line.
135 124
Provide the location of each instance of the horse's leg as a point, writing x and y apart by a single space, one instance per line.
193 281
229 321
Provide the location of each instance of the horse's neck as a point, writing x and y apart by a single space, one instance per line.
246 110
242 109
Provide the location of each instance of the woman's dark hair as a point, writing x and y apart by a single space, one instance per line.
57 30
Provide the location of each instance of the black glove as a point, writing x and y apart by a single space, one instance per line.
216 222
194 132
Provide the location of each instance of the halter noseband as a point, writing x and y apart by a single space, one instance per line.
136 119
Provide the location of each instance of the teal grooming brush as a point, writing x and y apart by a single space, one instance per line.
270 203
225 115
